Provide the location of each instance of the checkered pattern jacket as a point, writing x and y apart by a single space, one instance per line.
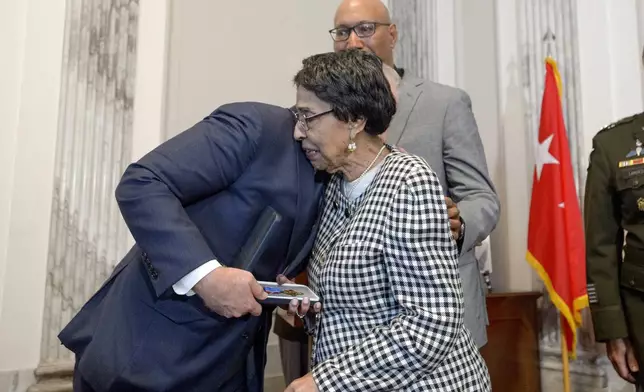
386 267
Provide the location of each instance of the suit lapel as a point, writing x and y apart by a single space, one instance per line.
297 223
303 253
408 93
307 200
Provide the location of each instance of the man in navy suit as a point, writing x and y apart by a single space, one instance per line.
173 317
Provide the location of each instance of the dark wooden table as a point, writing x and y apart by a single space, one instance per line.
512 351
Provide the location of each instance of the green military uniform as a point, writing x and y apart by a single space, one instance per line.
614 208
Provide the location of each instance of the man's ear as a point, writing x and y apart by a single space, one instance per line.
393 32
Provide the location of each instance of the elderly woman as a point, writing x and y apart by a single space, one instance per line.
384 261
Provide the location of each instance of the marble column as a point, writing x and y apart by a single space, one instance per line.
94 144
536 18
416 47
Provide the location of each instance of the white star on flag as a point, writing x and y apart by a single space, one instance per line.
543 156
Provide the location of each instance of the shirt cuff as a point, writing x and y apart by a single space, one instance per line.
185 285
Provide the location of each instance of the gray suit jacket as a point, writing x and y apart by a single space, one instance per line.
436 122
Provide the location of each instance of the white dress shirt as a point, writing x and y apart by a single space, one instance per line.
185 285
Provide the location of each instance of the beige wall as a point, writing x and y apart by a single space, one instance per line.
221 52
13 22
480 51
610 63
31 42
150 85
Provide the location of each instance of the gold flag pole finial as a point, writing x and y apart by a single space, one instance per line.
549 39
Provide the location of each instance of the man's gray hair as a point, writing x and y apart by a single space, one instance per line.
392 75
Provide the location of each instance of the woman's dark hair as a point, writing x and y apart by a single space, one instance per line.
353 83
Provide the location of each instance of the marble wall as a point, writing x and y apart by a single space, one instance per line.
16 381
536 19
415 50
94 143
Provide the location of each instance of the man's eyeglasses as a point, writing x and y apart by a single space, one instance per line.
362 30
303 119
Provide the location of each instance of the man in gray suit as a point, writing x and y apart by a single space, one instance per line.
435 122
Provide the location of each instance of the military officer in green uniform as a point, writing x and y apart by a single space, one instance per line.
614 225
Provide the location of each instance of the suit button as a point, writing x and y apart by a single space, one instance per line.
632 282
245 335
154 274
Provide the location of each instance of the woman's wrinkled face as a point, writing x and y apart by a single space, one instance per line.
324 138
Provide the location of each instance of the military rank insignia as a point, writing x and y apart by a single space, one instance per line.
640 204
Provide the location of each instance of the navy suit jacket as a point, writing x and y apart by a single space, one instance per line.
191 200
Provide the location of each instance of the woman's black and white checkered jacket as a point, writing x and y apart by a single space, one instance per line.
386 267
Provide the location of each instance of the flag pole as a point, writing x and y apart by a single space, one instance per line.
549 39
564 358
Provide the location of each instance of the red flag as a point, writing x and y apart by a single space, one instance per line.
556 248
